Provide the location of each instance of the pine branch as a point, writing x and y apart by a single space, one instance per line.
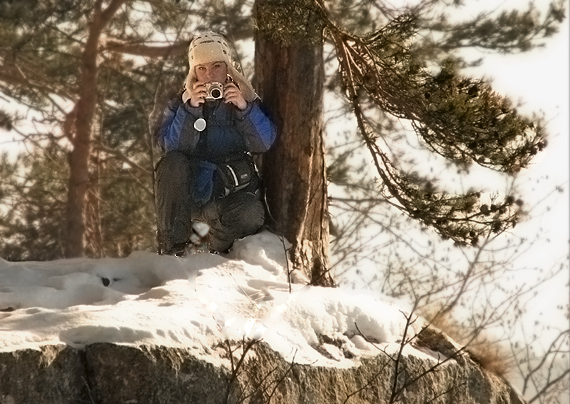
460 118
510 31
462 218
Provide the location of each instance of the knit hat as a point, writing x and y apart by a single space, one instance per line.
209 47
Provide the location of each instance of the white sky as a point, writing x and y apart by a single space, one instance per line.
540 79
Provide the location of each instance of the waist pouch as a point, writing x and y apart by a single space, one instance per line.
236 173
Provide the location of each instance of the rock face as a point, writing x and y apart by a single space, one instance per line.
114 374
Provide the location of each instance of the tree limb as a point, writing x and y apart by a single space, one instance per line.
138 49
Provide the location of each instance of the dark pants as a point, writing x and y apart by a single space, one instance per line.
234 216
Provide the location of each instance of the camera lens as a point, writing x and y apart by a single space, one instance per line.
216 93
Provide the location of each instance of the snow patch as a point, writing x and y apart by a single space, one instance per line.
195 302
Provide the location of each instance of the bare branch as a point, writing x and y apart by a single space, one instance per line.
139 49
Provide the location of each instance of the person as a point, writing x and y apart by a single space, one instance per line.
209 133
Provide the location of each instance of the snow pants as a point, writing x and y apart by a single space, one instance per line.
237 215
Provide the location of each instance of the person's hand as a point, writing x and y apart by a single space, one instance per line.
232 94
197 94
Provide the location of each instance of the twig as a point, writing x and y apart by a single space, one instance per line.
237 366
284 375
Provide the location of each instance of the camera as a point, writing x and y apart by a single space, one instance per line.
214 91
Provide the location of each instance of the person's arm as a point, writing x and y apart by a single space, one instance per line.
177 131
256 127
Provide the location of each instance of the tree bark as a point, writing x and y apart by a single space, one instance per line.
81 139
290 77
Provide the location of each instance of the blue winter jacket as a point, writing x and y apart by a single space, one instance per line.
228 131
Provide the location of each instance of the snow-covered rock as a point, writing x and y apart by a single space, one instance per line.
217 329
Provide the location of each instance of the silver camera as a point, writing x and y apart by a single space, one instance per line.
214 91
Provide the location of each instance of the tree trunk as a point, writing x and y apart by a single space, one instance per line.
84 113
290 77
79 156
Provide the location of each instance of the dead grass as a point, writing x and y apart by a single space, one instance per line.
492 356
495 358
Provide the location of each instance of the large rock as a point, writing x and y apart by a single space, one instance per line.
114 374
55 374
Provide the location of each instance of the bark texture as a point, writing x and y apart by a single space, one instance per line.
83 116
290 76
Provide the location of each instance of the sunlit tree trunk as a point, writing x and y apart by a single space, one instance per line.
81 138
290 77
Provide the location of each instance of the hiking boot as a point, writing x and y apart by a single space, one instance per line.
177 250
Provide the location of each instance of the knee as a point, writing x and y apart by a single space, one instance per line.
247 214
174 168
173 161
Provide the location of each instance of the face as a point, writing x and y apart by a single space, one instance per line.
210 72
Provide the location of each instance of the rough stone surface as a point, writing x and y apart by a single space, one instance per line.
114 374
372 382
52 375
120 374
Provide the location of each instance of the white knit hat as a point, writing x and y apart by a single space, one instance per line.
209 47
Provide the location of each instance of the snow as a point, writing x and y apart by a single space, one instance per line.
195 302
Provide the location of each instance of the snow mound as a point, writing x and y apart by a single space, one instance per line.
193 302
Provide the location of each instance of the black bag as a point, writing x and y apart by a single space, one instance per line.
236 174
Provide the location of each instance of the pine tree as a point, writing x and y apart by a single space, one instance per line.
45 71
32 196
290 72
85 66
387 71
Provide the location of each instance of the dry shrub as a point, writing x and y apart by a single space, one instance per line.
492 356
495 358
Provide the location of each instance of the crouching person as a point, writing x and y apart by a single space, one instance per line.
209 133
